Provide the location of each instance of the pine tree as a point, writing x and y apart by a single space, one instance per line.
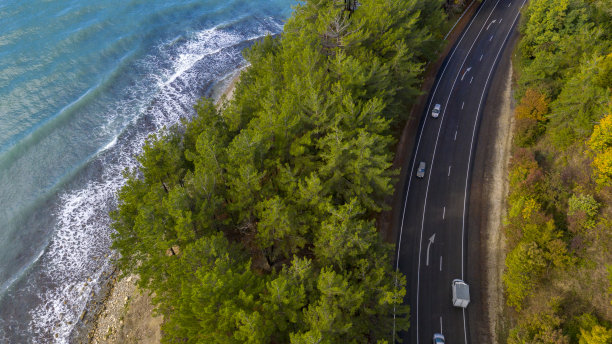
255 222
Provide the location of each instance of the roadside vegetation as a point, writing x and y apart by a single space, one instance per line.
559 222
255 223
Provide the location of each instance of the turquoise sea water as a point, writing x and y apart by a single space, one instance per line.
82 84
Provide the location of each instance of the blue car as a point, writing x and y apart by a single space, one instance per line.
438 338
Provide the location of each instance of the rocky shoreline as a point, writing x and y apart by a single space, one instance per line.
119 312
127 317
86 324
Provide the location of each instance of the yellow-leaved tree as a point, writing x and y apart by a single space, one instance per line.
601 145
597 335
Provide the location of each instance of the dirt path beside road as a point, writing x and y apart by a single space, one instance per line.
488 193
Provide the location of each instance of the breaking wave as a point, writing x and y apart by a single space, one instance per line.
68 270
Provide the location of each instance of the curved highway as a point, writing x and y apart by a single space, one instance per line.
432 238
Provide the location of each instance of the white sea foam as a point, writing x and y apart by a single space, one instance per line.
77 254
192 52
109 145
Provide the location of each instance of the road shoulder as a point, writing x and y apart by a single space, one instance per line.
488 191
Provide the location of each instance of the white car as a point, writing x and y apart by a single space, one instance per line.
438 338
461 293
436 111
421 170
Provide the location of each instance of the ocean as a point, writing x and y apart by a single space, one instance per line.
82 85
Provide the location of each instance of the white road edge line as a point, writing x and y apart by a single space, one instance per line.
474 134
470 158
440 315
440 270
432 161
464 331
462 14
399 242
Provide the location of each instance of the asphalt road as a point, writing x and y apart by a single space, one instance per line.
433 235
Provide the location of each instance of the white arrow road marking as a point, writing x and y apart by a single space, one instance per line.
397 260
491 23
466 71
431 240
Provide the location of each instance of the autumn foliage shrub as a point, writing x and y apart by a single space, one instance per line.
558 226
600 144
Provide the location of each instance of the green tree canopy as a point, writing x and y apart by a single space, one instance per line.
255 223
